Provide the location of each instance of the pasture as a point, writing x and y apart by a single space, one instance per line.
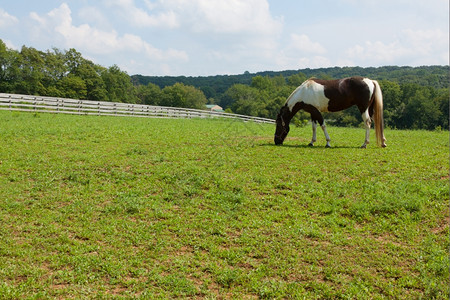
110 207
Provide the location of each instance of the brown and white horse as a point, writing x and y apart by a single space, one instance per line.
316 96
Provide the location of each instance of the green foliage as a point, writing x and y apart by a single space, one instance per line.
246 100
180 95
263 98
118 85
149 94
414 98
406 106
72 87
110 208
67 74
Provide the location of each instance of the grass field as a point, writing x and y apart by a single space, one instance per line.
100 207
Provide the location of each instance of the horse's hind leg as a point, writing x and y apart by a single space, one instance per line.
367 123
314 130
324 128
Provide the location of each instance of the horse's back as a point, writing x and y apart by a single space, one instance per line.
347 92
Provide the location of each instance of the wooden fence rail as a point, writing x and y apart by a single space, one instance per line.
14 102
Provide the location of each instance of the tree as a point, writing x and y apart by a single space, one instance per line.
9 69
149 94
72 87
31 64
392 102
262 83
91 75
55 67
297 79
180 95
442 99
422 112
118 86
74 60
246 100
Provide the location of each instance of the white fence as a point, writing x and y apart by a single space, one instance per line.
14 102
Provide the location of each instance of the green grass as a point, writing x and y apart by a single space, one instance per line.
100 207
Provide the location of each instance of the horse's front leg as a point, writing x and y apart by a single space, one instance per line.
316 116
314 130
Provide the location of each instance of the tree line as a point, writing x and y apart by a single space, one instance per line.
406 106
67 74
414 98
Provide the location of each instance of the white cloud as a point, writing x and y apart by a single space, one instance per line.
7 20
302 52
203 16
231 17
426 41
413 47
234 30
94 16
285 62
141 18
223 33
136 44
95 41
304 44
376 52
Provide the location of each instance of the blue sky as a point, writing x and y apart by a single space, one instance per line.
215 37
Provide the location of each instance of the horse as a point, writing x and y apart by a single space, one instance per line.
316 96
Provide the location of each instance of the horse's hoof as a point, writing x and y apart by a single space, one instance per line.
384 145
363 146
327 146
311 145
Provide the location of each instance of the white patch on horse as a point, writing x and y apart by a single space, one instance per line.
371 86
310 92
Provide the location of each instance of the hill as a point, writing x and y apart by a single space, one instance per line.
215 86
414 97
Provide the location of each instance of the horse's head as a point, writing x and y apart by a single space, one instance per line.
282 122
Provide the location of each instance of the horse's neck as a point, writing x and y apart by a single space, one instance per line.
297 106
295 102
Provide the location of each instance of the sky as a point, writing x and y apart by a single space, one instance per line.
225 37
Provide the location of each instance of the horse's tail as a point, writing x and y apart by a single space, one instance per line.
378 115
